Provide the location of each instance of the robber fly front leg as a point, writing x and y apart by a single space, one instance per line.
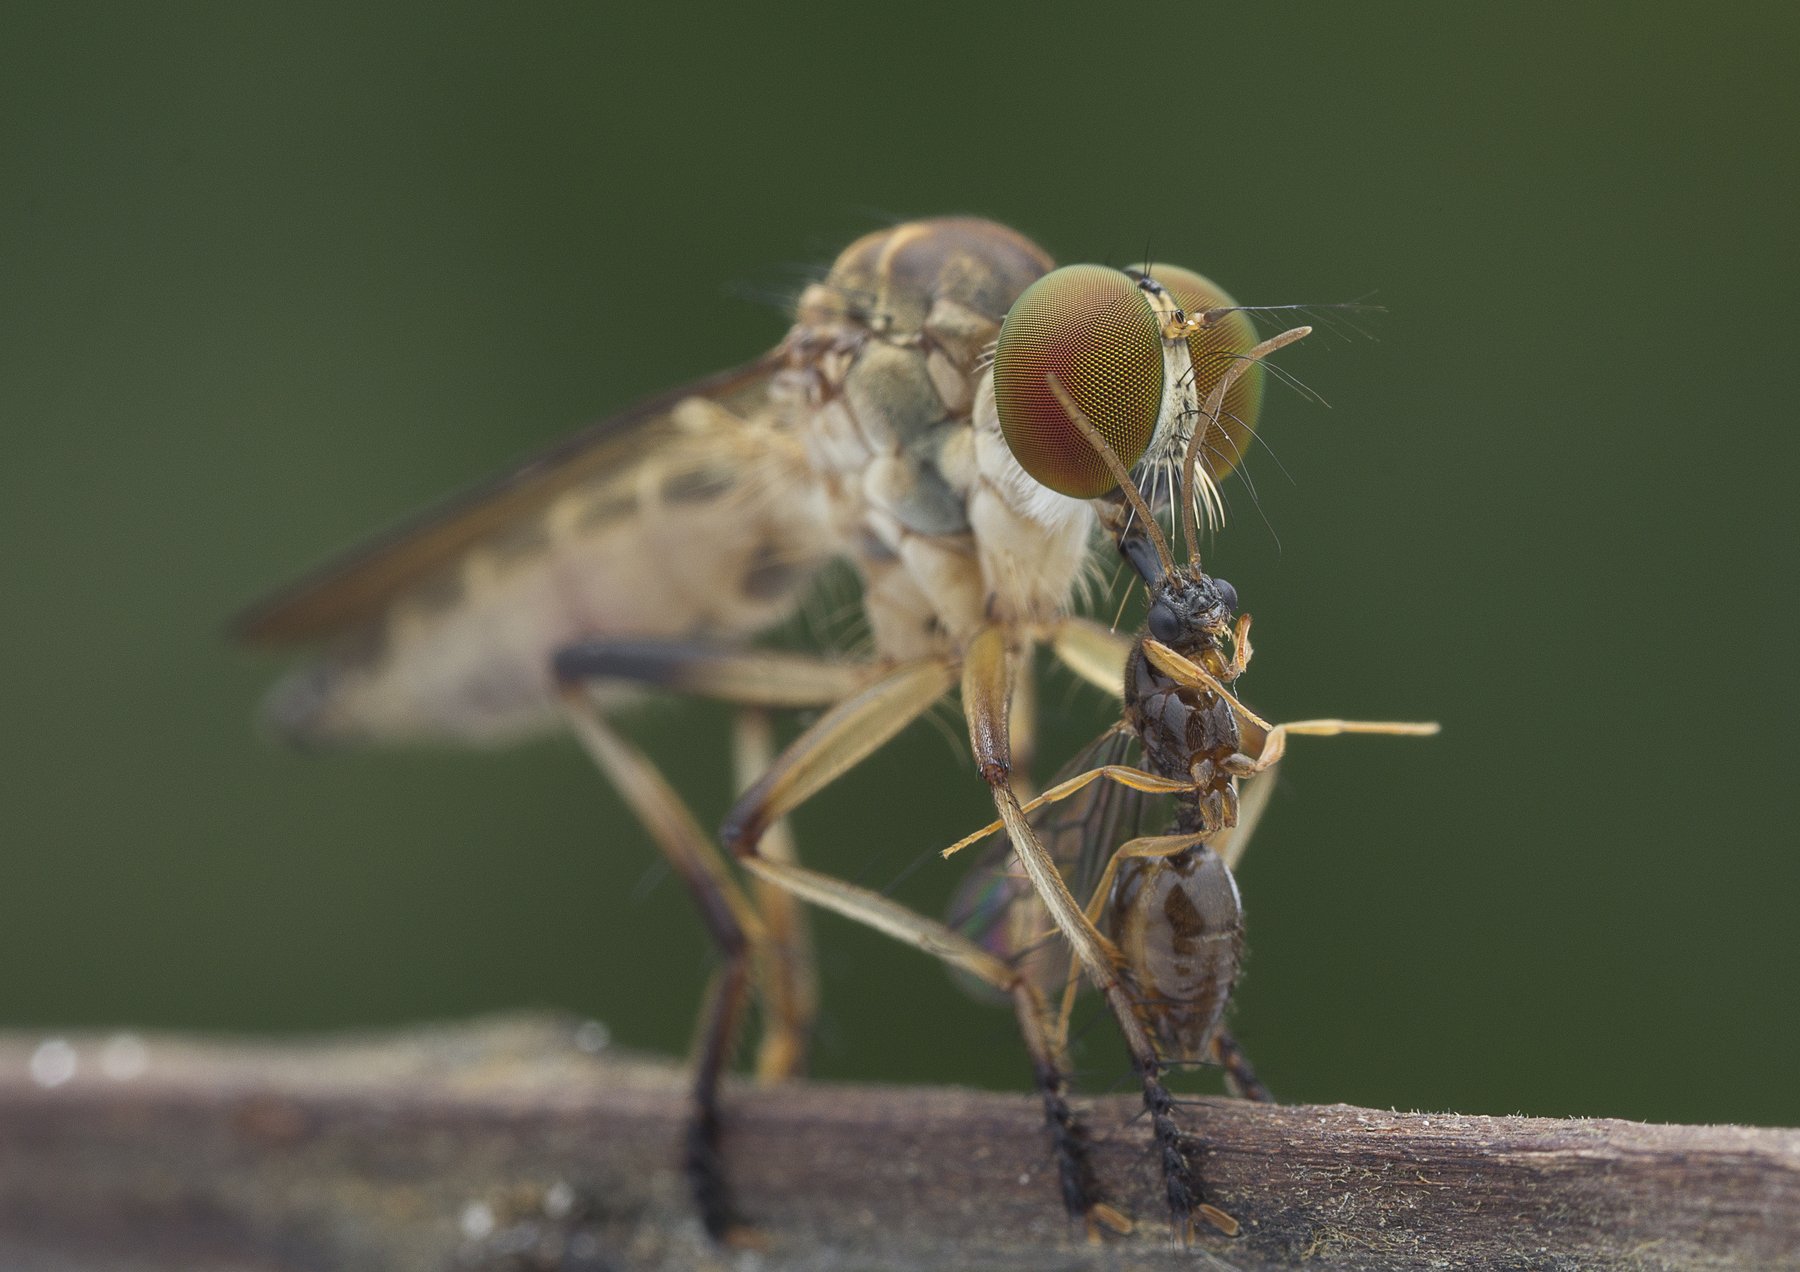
838 740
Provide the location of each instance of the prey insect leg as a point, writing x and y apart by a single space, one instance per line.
1275 736
986 684
1069 1139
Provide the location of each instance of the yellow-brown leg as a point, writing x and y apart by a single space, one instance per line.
730 920
848 732
1068 1139
775 961
1186 672
838 740
986 684
791 998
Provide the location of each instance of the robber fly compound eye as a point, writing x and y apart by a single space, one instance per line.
1103 334
1093 330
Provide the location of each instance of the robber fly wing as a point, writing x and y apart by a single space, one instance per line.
661 521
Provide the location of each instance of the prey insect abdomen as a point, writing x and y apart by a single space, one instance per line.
1180 925
1178 918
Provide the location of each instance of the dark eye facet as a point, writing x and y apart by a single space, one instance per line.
1164 623
1092 329
1214 348
1227 594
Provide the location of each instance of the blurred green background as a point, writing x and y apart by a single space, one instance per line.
270 278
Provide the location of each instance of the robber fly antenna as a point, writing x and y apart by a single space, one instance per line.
1116 466
1209 414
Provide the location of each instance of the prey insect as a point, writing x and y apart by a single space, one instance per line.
1164 922
902 426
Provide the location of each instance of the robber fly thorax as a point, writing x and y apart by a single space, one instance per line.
883 381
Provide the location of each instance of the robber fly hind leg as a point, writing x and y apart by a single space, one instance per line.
764 949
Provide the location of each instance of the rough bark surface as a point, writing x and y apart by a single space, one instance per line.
507 1145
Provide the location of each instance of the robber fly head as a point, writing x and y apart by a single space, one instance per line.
1096 369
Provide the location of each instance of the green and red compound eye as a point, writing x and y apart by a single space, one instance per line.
1214 348
1093 329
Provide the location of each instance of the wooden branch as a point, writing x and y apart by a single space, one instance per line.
506 1145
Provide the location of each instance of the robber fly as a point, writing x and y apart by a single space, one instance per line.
902 425
1164 912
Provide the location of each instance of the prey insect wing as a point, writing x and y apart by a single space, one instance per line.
996 906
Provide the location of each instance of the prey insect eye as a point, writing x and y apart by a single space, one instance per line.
1163 622
1227 594
1092 329
1214 347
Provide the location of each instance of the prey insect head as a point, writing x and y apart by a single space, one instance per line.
1190 610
